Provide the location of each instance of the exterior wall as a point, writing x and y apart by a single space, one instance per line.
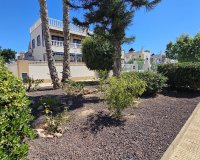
38 51
56 29
40 70
12 67
22 67
79 71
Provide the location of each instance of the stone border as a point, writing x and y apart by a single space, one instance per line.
175 142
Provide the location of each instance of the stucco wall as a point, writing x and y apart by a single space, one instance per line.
78 71
12 67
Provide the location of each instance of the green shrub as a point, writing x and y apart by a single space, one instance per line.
31 84
73 88
121 92
155 81
182 75
15 117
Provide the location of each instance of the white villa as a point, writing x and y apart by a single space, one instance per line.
37 44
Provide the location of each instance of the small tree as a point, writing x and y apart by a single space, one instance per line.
7 54
97 53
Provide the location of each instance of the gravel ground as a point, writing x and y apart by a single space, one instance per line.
144 133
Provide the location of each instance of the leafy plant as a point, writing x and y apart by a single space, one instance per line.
55 113
74 88
49 104
185 49
53 122
15 117
97 53
182 75
7 54
155 81
121 92
32 84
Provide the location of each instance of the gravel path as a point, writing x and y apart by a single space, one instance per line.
144 133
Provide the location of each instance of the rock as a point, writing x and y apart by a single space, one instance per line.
60 130
40 133
58 135
49 136
40 108
39 122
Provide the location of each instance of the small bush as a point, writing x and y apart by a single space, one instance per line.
121 92
15 117
182 75
155 82
31 84
73 88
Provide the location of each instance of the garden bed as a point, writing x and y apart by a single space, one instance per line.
144 133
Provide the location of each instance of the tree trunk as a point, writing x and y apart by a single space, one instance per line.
66 58
45 27
117 58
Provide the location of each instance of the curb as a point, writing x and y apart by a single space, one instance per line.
175 142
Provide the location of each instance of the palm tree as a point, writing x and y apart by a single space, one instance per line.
66 67
47 38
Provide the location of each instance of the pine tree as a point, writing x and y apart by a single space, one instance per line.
110 19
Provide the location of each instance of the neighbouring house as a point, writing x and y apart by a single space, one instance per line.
139 60
37 43
34 62
158 58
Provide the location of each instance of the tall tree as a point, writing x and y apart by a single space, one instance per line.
185 49
111 18
47 38
66 58
7 54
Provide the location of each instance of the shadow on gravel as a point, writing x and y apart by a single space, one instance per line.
77 102
181 93
97 122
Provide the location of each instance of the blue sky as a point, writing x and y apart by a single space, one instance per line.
153 29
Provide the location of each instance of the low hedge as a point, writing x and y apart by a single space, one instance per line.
15 117
154 81
181 75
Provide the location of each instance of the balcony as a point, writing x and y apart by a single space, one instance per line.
58 25
58 46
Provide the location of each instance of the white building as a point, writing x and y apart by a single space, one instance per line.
37 43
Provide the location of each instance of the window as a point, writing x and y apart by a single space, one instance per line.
38 40
78 41
43 43
24 76
33 43
57 38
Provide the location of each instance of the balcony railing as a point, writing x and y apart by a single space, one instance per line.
59 24
57 43
61 44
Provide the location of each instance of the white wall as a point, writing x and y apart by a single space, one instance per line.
12 67
41 71
38 51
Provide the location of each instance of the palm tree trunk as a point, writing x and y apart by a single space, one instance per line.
117 59
66 67
47 37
